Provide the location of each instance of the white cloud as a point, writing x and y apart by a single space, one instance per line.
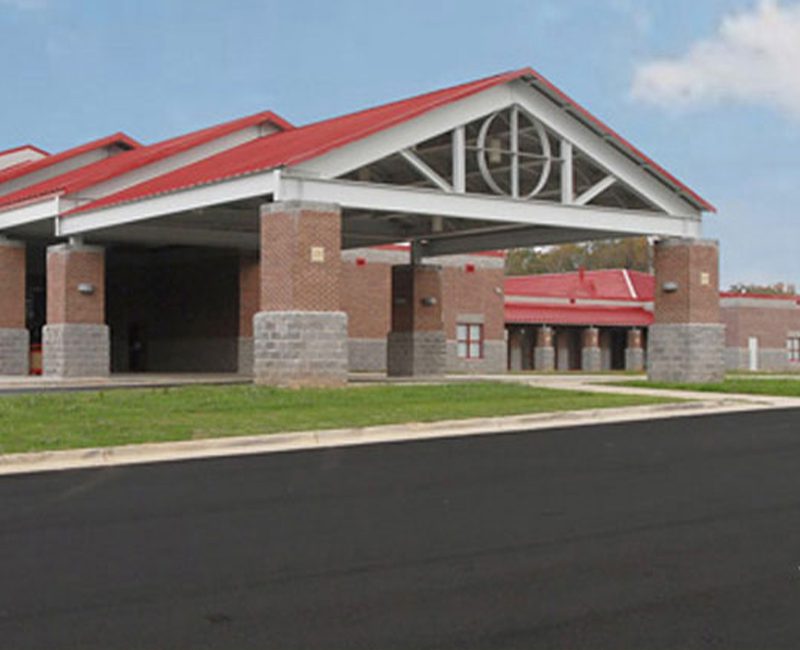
753 58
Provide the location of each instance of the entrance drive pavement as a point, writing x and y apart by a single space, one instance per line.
679 534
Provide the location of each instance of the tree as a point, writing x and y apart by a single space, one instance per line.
777 289
631 253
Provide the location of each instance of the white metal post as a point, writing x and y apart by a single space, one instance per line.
567 176
459 160
514 134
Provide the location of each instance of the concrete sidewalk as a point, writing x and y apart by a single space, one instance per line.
610 384
38 384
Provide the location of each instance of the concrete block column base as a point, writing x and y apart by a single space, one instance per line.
544 358
300 348
76 350
591 360
683 352
14 351
415 354
634 359
244 355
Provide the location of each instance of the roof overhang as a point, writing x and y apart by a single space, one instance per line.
497 221
31 212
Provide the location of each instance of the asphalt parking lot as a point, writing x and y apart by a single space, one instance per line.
679 533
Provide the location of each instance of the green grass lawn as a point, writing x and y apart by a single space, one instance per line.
43 421
735 384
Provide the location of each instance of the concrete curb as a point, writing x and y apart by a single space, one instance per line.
48 461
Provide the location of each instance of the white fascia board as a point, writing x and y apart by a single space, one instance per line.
29 213
384 143
386 198
54 170
243 187
20 156
169 164
600 151
517 299
756 303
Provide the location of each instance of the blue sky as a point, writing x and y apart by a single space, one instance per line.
707 88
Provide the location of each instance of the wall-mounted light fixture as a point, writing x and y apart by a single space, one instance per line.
429 301
86 288
669 287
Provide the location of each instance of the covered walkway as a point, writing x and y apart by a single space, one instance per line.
502 162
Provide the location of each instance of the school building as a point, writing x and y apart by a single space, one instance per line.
256 246
599 320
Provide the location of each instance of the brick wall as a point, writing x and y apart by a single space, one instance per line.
768 319
366 282
471 290
474 292
365 297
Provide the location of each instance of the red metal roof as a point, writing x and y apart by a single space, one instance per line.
608 284
297 145
17 171
577 315
307 142
23 147
103 170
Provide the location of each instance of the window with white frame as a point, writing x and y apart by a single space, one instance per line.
470 340
793 349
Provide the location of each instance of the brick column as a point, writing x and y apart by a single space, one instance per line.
75 341
14 338
544 354
634 352
687 340
417 344
300 334
249 301
591 359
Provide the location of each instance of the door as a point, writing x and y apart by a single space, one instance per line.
752 350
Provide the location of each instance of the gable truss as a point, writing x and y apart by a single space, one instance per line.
509 154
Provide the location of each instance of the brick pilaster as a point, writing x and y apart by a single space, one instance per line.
14 338
686 341
75 341
544 354
300 332
416 344
591 359
634 351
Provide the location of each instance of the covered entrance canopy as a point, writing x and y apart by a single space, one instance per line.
502 162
